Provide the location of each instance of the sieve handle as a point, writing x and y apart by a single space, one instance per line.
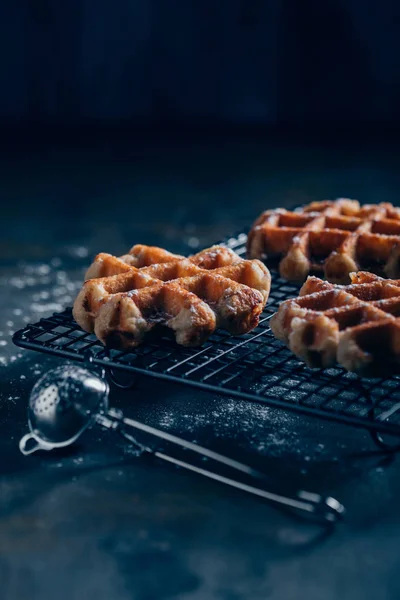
324 508
29 444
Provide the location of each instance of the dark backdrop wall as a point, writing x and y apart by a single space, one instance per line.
241 61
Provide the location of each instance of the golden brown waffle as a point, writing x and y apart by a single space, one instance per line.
335 237
357 325
126 298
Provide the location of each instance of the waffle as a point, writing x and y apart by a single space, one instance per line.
334 237
357 325
125 298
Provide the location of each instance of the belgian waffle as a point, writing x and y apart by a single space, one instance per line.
336 237
125 298
357 325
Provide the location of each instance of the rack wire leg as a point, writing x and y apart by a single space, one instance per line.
375 435
118 380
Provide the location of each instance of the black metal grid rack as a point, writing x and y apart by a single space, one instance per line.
254 367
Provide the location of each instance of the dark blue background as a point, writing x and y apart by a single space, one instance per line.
256 62
94 521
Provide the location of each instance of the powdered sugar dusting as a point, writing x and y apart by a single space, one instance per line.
36 290
260 427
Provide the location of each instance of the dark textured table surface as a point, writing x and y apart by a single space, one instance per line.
96 520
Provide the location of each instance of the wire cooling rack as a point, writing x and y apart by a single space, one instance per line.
254 367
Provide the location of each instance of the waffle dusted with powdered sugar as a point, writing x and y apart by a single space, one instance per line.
333 237
149 289
357 325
